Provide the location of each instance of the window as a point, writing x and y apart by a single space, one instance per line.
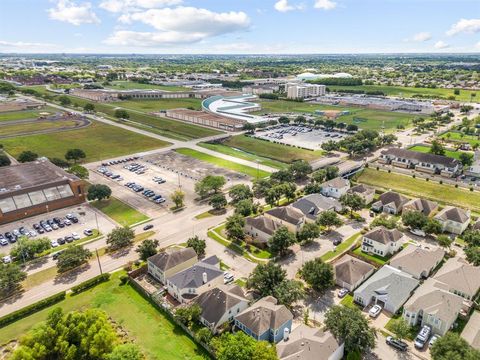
22 201
7 205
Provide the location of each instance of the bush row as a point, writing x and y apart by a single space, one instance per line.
90 283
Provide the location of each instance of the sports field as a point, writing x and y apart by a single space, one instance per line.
8 129
24 114
99 141
132 85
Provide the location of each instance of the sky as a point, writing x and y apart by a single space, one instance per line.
239 26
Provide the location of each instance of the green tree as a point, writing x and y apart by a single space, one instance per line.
414 219
188 315
11 277
218 201
354 202
437 148
444 241
349 326
197 244
317 274
385 221
64 100
308 233
120 237
204 335
260 188
240 192
126 352
122 114
147 248
319 176
472 237
4 159
288 292
234 227
328 219
79 170
89 107
331 172
27 156
210 183
75 155
300 169
283 120
27 249
452 346
73 256
178 197
265 278
240 346
60 162
472 254
281 240
400 328
245 207
274 195
98 192
432 226
466 159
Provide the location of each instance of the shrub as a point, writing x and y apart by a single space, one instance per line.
471 188
90 283
414 176
427 179
456 185
440 182
123 279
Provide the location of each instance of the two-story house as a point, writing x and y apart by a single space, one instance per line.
367 193
287 216
454 220
390 203
335 187
312 205
167 263
417 261
383 242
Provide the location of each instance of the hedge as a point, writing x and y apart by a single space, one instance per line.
90 283
30 309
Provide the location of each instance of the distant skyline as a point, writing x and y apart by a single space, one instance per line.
239 26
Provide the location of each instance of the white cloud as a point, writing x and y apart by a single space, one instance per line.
73 13
147 39
325 4
477 45
284 6
22 44
117 6
469 26
422 37
441 45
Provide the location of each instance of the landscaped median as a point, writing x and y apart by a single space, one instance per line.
243 249
117 210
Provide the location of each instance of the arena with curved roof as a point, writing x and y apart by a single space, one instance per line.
235 107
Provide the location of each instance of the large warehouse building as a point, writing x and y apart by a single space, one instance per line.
36 187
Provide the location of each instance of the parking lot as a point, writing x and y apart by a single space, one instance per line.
299 136
87 219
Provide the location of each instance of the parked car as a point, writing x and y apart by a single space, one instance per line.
397 344
375 311
432 340
148 227
228 278
56 255
88 232
422 337
61 241
54 243
3 241
75 236
342 292
7 259
418 232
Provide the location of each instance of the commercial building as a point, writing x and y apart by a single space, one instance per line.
234 107
260 89
302 91
37 187
206 119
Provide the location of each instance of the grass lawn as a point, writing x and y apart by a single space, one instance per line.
132 85
247 170
278 152
455 136
348 301
163 340
413 330
119 211
409 92
426 149
343 247
380 260
8 129
244 155
99 141
160 104
24 114
442 193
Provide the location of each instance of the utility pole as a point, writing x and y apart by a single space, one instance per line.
98 259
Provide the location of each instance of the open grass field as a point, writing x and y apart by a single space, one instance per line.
156 335
160 104
442 193
243 169
117 210
132 85
454 136
244 155
408 92
17 129
99 141
426 149
278 152
24 114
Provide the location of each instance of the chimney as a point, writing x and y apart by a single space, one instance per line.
205 278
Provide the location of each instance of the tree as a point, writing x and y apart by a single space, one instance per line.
26 249
218 202
331 172
79 170
437 148
73 256
121 114
249 128
234 227
4 159
273 195
126 352
60 162
300 169
240 192
414 219
288 292
319 176
27 156
98 192
75 155
281 176
308 233
283 120
472 237
349 326
472 254
328 219
245 207
89 107
240 346
466 159
317 274
120 237
385 221
432 226
178 197
444 241
188 315
197 244
147 248
64 100
75 335
300 119
352 201
330 146
208 184
265 278
280 241
452 346
11 276
400 328
260 188
204 335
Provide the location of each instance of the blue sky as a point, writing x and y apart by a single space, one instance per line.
239 26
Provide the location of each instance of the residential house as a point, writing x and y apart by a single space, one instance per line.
287 216
424 162
471 332
189 283
265 320
431 305
383 242
350 272
390 202
312 205
418 261
367 193
454 220
260 228
167 263
335 187
308 343
426 207
459 277
388 287
220 305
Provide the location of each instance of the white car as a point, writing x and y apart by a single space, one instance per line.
3 242
75 236
54 243
432 340
227 278
54 226
418 232
375 311
342 292
88 232
7 259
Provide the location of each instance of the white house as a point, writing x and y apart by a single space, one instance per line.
335 188
453 219
383 242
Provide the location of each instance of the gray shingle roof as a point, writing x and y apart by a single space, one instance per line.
311 205
459 275
337 183
393 197
288 214
416 260
421 157
193 276
453 214
350 270
263 224
169 259
383 235
423 205
362 189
